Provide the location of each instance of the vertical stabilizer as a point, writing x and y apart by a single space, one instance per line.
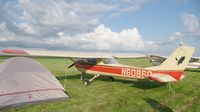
178 60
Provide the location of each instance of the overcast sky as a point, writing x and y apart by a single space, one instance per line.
152 26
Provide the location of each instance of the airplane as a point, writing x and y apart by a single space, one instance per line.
171 70
157 60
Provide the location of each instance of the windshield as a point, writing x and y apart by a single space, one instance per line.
110 61
90 60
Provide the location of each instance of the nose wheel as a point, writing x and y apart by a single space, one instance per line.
86 82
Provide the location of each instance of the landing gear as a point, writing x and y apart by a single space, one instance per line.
87 82
111 79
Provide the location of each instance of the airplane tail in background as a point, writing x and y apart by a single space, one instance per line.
173 67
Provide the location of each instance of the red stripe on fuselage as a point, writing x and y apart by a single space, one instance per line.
128 71
113 70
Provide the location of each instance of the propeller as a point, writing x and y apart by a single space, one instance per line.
71 65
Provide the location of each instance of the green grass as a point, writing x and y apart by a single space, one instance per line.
121 95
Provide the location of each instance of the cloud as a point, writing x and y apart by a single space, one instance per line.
27 28
192 29
127 6
60 24
5 34
30 45
102 38
176 36
47 17
191 23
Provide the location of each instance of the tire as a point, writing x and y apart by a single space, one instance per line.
111 79
86 82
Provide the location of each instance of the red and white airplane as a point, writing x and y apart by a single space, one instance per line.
170 70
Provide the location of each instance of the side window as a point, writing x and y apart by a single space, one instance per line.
110 61
90 60
93 60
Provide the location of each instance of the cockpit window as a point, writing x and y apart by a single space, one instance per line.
90 60
110 61
105 61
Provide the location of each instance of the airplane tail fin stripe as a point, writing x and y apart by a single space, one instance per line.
176 75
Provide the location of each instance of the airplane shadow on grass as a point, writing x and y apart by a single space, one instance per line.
142 84
157 106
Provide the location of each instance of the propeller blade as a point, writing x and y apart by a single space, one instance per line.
71 65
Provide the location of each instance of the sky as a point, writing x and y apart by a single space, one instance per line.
144 26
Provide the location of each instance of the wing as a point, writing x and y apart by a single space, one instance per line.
194 59
156 59
64 54
128 55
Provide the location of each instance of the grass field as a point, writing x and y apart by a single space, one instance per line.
121 95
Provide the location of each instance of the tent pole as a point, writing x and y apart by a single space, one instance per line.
66 69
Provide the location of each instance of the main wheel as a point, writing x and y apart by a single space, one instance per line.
86 82
111 79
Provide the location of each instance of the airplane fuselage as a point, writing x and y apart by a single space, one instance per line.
123 70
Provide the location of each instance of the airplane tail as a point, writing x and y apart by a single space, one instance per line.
178 60
174 65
